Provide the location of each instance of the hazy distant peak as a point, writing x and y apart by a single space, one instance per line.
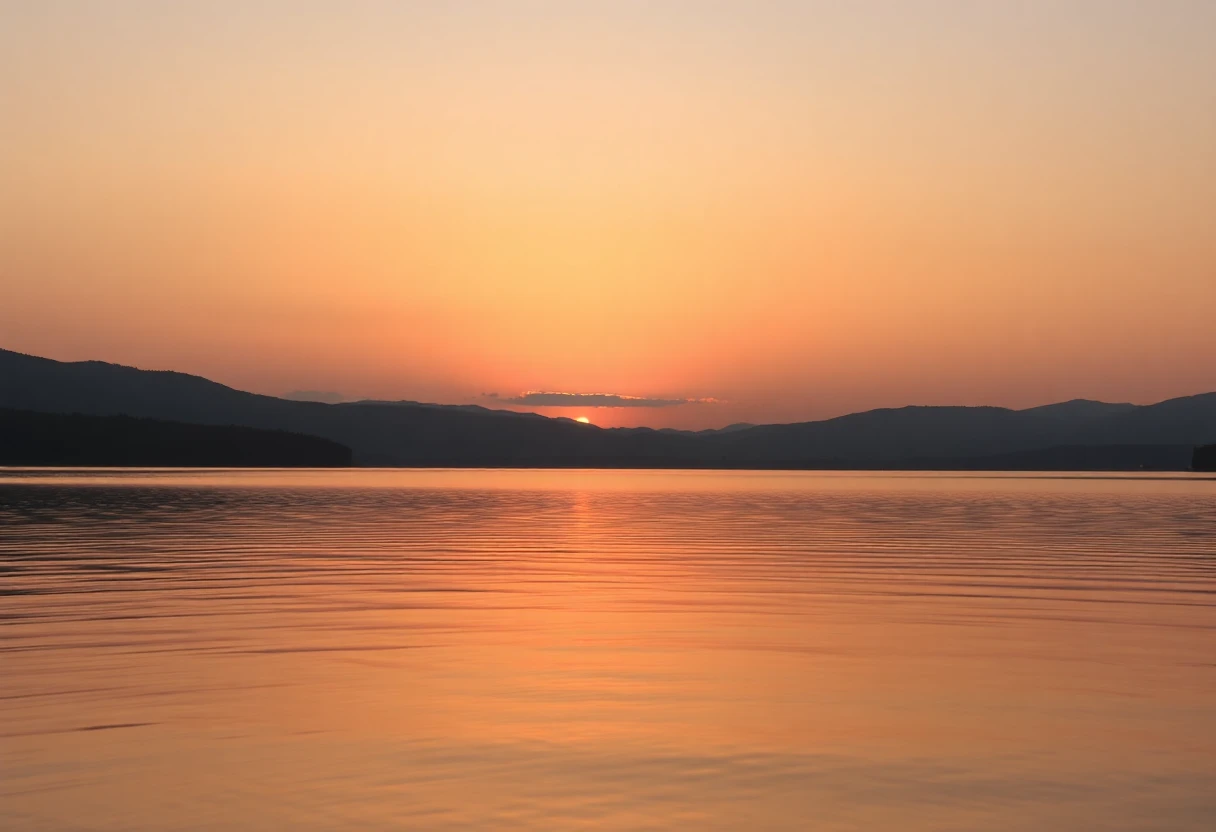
732 428
1080 408
323 396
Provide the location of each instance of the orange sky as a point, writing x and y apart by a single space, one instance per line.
796 209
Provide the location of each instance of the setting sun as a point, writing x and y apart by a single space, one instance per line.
583 419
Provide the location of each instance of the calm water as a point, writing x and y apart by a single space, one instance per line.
572 650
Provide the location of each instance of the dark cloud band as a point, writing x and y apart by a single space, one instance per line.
539 399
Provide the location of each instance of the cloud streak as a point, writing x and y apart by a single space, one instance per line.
537 398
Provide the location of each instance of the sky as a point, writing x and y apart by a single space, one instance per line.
701 212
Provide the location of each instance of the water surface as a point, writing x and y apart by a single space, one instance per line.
435 650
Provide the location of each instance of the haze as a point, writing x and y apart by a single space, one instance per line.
794 210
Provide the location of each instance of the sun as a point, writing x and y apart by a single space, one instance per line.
583 419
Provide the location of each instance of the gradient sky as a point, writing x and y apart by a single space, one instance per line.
794 209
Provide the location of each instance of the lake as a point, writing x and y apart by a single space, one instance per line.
567 650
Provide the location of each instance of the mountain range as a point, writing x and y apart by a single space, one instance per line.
1078 434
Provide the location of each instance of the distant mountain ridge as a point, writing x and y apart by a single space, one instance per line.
418 434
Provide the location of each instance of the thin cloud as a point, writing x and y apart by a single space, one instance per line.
548 399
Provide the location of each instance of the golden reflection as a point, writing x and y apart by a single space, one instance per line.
708 650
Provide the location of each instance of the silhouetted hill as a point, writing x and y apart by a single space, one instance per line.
379 433
412 433
899 436
31 438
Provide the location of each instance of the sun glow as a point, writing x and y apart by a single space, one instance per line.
583 419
